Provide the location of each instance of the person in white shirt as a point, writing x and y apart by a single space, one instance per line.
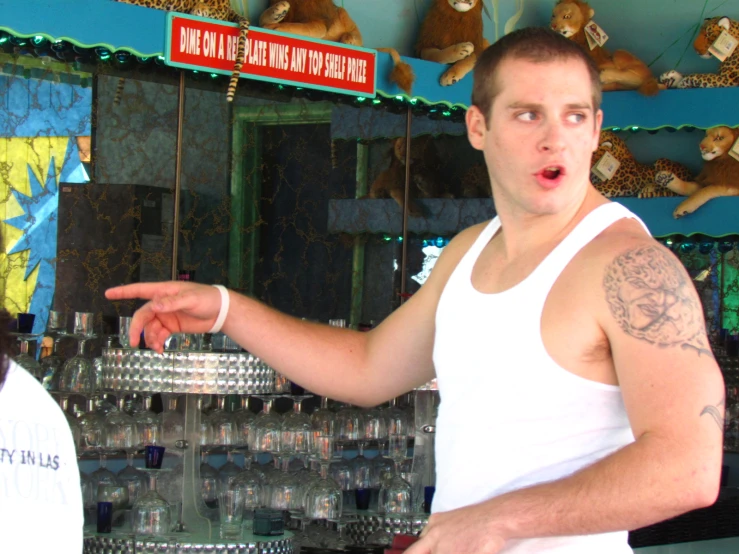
40 495
579 394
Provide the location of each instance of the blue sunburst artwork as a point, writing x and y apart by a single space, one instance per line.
39 226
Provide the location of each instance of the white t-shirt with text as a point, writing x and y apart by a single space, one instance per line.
40 495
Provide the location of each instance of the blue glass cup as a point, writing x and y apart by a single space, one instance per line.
363 498
105 517
428 497
25 322
153 457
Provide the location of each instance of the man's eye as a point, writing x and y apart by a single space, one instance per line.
527 116
576 117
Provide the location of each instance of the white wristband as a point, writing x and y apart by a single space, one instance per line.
225 302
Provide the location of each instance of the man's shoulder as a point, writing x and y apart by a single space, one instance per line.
21 392
453 254
622 236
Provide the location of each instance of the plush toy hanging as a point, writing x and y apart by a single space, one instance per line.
324 20
451 33
720 174
620 71
626 176
213 9
718 36
320 19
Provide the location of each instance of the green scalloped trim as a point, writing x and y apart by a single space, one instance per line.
695 233
78 43
427 102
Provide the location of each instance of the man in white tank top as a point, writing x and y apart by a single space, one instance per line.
599 404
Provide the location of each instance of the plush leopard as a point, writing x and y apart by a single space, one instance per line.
719 176
728 73
631 178
213 9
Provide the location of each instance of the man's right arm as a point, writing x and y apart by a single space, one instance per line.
364 369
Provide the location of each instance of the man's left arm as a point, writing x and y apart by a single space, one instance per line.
673 392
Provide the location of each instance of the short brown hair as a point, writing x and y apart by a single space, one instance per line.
535 44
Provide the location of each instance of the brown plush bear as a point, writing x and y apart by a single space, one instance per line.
451 33
620 71
719 176
423 181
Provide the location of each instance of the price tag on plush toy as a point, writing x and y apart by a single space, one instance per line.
606 167
595 35
723 46
734 152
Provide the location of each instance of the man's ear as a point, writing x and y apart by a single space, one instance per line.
476 127
598 126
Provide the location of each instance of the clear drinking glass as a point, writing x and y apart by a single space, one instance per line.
28 362
77 372
266 429
231 512
133 479
323 419
124 326
252 483
151 512
208 482
397 419
221 425
52 366
323 500
243 419
120 429
172 422
92 427
227 472
349 423
83 324
148 425
285 490
296 429
395 494
74 425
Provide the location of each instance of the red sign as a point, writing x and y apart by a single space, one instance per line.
210 45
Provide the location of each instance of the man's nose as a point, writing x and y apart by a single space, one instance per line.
553 138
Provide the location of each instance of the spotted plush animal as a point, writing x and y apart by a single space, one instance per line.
631 178
213 9
728 73
719 176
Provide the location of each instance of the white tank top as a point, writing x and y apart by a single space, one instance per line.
510 417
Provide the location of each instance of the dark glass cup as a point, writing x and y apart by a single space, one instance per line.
154 456
363 498
732 346
25 323
105 517
428 497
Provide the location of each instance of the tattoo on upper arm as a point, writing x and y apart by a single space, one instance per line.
716 412
652 299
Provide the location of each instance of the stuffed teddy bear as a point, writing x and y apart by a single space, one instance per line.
620 71
728 73
324 20
451 33
631 178
719 176
423 181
